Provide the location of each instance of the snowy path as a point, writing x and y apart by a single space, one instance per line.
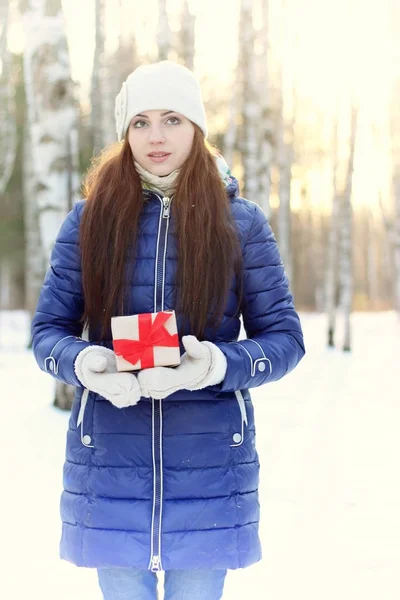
329 444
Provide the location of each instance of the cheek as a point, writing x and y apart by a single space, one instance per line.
186 144
134 143
131 143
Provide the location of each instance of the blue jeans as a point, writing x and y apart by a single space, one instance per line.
138 584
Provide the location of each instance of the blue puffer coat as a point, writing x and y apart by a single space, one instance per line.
168 484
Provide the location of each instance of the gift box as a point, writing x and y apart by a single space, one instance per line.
145 340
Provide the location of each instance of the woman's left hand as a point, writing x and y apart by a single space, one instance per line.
203 364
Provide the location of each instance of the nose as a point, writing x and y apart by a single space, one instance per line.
156 135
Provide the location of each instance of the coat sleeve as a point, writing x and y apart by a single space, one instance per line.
56 326
274 343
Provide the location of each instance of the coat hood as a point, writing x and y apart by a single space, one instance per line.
230 182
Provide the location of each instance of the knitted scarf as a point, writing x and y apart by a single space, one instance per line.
166 185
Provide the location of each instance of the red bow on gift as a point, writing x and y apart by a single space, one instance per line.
150 334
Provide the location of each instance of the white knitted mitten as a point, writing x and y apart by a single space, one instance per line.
203 364
96 369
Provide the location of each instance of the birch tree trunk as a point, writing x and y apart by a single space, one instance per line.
251 105
266 122
396 229
285 157
187 37
318 258
346 238
284 212
115 69
285 137
372 269
331 280
230 137
98 75
8 131
5 287
392 225
51 126
389 247
163 31
35 260
52 116
114 82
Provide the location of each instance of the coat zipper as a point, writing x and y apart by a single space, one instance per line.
156 522
157 486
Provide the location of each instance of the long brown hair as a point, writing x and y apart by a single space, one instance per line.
208 247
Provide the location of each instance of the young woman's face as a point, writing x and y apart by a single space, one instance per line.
160 140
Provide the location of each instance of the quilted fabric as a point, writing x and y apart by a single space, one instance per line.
168 484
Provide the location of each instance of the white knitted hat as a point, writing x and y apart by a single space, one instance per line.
163 85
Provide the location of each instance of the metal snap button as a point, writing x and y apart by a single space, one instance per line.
86 439
261 366
237 438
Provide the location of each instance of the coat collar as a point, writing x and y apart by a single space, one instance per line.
232 189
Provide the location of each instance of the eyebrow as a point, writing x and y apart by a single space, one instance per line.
162 114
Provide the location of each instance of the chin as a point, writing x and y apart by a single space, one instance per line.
160 170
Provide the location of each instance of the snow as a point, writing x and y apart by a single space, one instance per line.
329 445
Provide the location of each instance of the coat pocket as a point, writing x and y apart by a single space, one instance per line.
86 408
238 436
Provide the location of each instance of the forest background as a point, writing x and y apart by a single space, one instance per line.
302 100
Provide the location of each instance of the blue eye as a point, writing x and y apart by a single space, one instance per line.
137 125
141 124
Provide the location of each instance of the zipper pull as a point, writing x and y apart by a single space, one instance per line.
166 202
155 563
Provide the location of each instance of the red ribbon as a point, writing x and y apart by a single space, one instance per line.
150 334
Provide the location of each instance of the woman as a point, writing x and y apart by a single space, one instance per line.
161 469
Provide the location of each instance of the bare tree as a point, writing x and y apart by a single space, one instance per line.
249 130
8 137
266 121
372 260
8 131
52 116
52 175
317 248
234 109
187 37
231 134
287 107
345 244
331 279
116 68
98 78
35 260
163 31
285 157
391 219
394 229
251 106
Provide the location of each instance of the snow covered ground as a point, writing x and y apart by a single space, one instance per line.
328 436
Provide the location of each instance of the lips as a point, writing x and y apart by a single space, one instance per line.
158 157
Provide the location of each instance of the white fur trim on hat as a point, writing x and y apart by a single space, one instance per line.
163 85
